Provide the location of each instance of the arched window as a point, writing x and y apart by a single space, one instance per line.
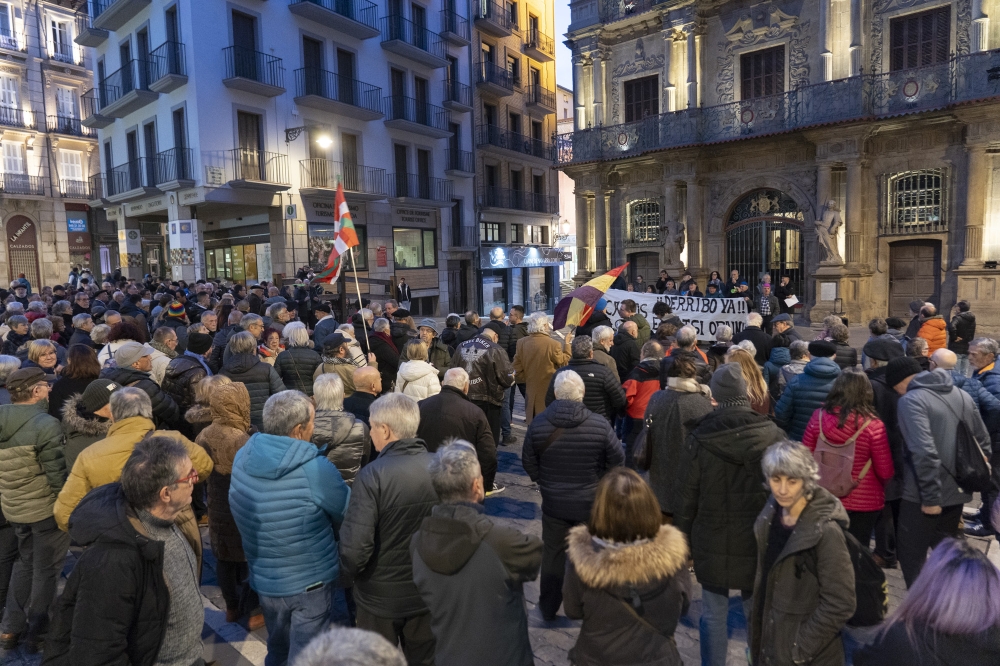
764 235
917 202
644 221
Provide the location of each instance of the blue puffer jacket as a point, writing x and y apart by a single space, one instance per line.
287 499
780 357
805 395
989 382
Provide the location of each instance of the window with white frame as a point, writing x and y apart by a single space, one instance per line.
70 170
61 39
13 157
9 103
66 103
8 40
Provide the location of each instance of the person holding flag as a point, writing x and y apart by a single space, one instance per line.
345 236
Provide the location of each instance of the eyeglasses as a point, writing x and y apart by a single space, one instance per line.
190 478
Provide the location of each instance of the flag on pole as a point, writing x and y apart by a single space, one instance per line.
344 238
576 307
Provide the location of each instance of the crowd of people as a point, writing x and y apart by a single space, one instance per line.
341 470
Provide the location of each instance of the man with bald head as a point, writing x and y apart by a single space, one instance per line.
625 349
367 386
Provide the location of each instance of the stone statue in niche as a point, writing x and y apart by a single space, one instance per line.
827 226
674 242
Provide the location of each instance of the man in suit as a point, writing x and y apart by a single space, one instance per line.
404 294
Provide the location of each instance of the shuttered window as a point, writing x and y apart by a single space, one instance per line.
641 99
762 73
919 40
66 102
13 157
8 92
71 165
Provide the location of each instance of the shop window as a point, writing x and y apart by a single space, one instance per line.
321 238
641 98
762 73
414 248
489 232
538 235
921 39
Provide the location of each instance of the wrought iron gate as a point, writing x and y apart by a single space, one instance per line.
764 235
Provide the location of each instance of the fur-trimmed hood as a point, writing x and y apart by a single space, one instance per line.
636 564
78 420
198 414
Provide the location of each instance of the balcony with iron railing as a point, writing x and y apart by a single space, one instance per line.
98 188
417 116
455 28
543 98
357 18
174 169
253 71
22 183
326 91
539 46
961 80
457 96
492 17
14 117
491 135
68 126
113 14
258 169
12 40
126 90
462 235
499 197
494 79
361 182
168 67
412 186
66 53
132 180
90 103
86 33
74 189
459 163
404 37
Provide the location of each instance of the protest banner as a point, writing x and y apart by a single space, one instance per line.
705 314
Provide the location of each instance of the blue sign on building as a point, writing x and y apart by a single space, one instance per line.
75 225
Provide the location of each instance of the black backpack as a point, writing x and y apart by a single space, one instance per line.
870 587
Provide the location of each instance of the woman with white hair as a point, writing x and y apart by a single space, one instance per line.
299 361
804 591
537 358
417 378
8 364
343 437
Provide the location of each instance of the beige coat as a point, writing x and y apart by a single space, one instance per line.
537 358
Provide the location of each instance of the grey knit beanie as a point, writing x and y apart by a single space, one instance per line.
729 388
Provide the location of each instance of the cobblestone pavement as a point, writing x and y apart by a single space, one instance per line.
518 506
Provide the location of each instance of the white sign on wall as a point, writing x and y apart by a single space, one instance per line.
705 314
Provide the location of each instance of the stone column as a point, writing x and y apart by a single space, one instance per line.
980 27
692 66
823 183
600 232
669 89
583 226
187 247
857 9
129 245
853 219
825 40
598 88
977 178
695 223
580 112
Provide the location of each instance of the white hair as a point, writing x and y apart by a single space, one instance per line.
399 412
127 402
538 322
686 336
381 325
328 392
724 333
346 646
297 335
457 378
347 330
749 346
454 468
284 411
569 386
15 306
754 319
602 333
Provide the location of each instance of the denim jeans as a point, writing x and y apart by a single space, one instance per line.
294 621
506 412
42 548
713 630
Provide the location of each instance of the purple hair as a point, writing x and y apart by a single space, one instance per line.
940 599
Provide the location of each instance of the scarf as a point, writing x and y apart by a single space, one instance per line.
382 335
688 385
162 348
264 350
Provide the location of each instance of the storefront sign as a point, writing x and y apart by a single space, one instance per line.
153 205
382 256
250 259
112 214
76 224
79 241
322 211
191 197
705 314
408 216
239 269
22 248
520 256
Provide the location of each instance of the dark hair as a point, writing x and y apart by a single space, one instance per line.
717 274
878 326
81 363
682 366
267 333
151 467
452 320
963 306
665 330
625 508
519 308
225 309
661 308
629 305
851 394
126 330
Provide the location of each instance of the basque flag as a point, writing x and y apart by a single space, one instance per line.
344 238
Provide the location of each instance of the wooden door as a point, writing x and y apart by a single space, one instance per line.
914 273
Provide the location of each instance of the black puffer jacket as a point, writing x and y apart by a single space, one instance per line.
569 469
219 343
451 414
724 493
603 394
517 331
847 356
81 429
961 331
669 414
761 342
94 623
180 379
502 331
346 440
165 411
296 366
261 380
625 351
390 498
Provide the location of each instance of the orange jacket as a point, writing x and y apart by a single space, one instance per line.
935 332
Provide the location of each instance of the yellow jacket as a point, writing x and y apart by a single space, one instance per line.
102 462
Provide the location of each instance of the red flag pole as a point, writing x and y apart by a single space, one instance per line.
350 252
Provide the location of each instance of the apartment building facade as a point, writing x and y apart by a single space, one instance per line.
849 144
227 126
515 112
46 155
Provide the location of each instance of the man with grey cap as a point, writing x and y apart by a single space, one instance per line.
782 325
34 471
438 353
132 368
87 418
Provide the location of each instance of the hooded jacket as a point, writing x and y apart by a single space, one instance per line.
222 439
490 371
809 596
451 414
296 366
287 499
470 573
929 648
722 490
262 381
780 357
180 378
935 331
569 469
928 417
96 624
603 393
417 379
669 415
805 395
344 439
102 462
847 356
626 352
392 495
81 429
165 410
961 331
32 467
602 585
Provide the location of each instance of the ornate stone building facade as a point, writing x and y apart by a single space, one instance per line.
852 145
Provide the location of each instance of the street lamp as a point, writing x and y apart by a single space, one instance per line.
292 133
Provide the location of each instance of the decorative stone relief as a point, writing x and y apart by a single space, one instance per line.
963 26
640 64
760 26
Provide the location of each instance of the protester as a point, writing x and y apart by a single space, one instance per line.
299 361
537 358
81 369
385 351
340 435
367 387
603 338
183 373
804 588
640 385
86 418
961 331
760 398
579 447
717 352
392 495
783 325
346 646
261 379
780 357
686 339
42 355
806 394
416 377
164 344
287 500
625 350
933 328
627 578
767 306
629 311
270 346
477 608
847 356
755 334
132 365
604 394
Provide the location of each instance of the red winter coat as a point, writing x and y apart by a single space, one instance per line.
871 444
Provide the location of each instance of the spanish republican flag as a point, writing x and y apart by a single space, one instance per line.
344 238
576 307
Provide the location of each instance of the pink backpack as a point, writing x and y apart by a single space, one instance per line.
837 460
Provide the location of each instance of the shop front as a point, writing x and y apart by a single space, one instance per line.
522 275
78 233
239 256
